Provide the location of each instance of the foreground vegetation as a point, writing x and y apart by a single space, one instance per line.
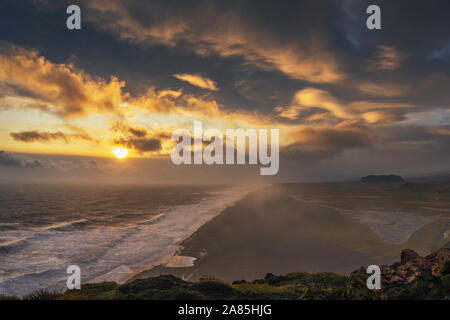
413 277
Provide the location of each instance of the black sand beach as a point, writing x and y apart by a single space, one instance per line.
271 231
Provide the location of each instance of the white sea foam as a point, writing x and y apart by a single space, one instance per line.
180 261
112 254
392 227
446 234
154 219
63 226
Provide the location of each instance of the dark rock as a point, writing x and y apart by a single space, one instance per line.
240 282
415 277
409 255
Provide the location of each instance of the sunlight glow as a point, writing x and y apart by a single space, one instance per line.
120 152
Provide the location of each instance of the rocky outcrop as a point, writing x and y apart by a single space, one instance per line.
414 277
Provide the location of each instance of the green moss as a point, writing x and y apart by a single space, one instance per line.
42 295
93 291
446 281
292 286
214 289
8 298
165 287
357 287
267 292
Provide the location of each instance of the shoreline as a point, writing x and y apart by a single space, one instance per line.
175 255
268 231
122 251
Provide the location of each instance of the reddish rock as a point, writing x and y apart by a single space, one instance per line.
414 277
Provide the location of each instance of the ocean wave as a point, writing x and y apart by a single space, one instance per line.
62 226
9 226
101 252
152 220
26 236
12 245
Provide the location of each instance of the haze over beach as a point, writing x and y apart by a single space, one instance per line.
87 122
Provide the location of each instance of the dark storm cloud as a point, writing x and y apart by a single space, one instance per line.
236 43
137 132
312 41
49 163
36 136
140 139
400 55
145 145
415 26
226 30
9 160
436 138
140 144
327 142
260 53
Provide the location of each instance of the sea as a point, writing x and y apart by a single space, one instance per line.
110 232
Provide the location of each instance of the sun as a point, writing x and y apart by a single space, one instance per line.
120 152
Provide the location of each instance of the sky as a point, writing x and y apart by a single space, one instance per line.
348 101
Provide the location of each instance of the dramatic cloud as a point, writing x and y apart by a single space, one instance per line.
137 132
140 144
327 106
387 58
49 164
70 93
215 30
33 136
9 160
384 89
383 117
327 142
140 139
58 88
131 76
198 81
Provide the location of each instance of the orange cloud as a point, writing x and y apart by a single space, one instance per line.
57 88
33 136
385 89
70 93
198 81
386 58
61 89
227 35
383 117
312 99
